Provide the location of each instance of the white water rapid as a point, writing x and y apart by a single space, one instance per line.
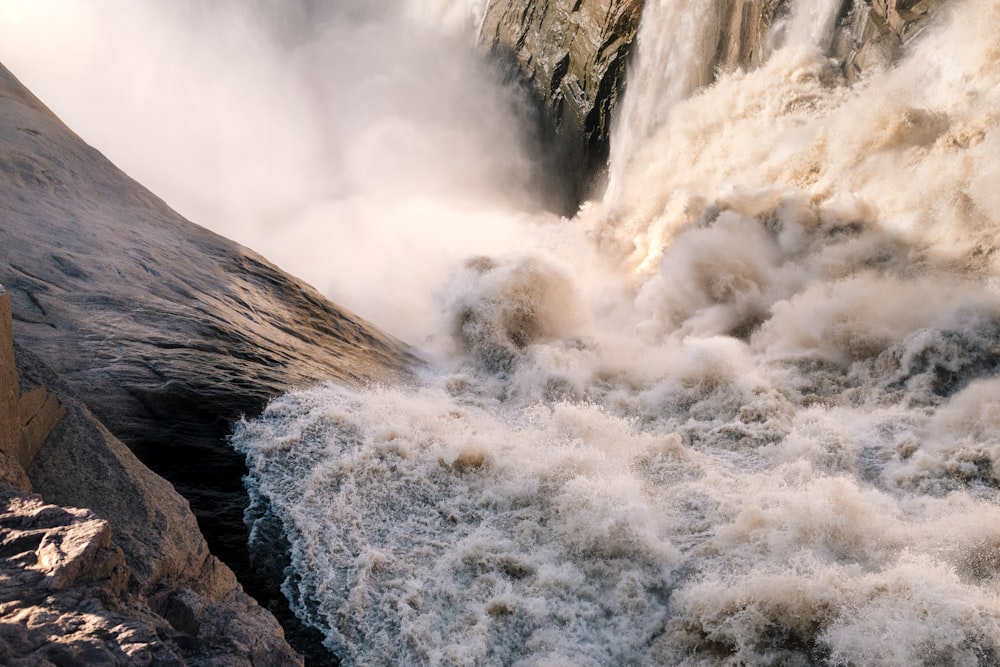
742 410
757 422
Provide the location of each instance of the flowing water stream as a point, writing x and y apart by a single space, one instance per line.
744 409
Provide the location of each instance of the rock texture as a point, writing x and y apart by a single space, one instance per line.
158 334
67 597
572 53
874 32
127 581
11 470
168 331
869 33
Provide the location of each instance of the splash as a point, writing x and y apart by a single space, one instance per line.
741 412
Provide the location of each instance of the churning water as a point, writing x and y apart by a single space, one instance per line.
743 410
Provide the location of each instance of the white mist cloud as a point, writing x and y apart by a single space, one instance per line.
363 146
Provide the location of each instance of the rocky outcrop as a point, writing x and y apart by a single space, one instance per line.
868 33
572 53
127 581
874 32
58 574
167 331
68 597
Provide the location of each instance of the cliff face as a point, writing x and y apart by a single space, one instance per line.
572 55
873 32
127 581
167 333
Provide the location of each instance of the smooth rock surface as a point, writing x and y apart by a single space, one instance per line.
167 331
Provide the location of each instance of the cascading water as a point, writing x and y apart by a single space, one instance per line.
756 424
670 65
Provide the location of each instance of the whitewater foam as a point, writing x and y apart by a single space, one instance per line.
742 412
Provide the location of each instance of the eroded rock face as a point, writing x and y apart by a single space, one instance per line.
572 53
875 31
127 581
67 598
168 331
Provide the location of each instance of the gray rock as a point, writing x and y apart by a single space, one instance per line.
572 53
167 331
67 598
128 581
877 30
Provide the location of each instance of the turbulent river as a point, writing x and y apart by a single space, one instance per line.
743 409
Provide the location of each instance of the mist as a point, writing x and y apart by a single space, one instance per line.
362 146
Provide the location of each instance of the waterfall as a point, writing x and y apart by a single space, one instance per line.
743 411
676 45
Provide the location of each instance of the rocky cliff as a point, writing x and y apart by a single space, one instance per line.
572 55
107 566
167 333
